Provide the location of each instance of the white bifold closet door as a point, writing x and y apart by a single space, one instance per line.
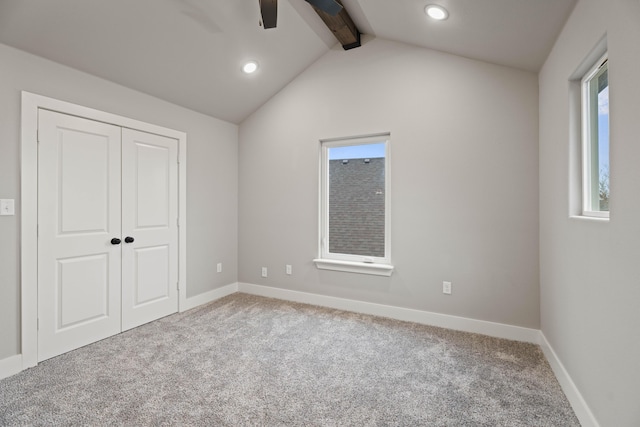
107 230
150 217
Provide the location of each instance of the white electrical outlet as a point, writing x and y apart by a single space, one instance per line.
289 270
264 271
446 288
219 267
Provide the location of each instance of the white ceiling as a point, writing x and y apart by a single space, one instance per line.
189 52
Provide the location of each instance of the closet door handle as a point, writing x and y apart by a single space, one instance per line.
115 241
129 239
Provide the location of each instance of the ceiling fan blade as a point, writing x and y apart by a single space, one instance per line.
332 7
269 11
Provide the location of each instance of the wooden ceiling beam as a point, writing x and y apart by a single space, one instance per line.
342 27
269 11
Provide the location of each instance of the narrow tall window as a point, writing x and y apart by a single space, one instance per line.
355 194
595 145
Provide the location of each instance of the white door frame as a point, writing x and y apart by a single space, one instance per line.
31 103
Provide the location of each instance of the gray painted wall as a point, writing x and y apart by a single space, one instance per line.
212 158
590 271
464 177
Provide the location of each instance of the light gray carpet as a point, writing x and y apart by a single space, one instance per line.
246 360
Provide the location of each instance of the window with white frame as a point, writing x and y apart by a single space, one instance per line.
595 140
354 216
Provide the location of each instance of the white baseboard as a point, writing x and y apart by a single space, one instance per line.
493 329
209 296
10 366
579 405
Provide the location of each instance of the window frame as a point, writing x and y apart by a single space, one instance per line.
591 140
349 262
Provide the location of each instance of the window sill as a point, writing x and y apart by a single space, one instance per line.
590 218
354 267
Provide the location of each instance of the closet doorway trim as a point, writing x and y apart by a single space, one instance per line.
31 103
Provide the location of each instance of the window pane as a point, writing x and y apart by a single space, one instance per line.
603 141
596 140
357 199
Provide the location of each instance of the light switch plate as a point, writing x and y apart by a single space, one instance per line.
7 207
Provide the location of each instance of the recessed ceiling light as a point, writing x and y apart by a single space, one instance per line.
436 12
250 67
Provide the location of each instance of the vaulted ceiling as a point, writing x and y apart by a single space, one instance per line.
190 52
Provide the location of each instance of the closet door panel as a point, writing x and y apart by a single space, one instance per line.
79 212
149 220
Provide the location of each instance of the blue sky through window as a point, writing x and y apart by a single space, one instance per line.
365 151
603 130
